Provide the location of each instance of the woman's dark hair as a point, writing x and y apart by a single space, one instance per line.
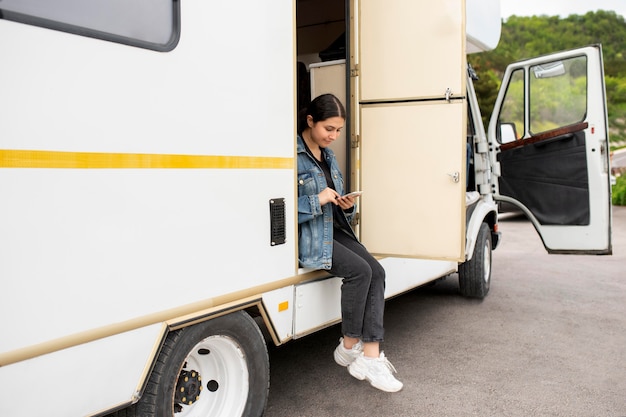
321 108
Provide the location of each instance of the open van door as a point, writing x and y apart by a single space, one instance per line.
410 104
550 130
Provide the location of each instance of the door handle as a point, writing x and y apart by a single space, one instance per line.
455 176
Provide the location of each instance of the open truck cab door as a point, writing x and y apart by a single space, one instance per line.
550 132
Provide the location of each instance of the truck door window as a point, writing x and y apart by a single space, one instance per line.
151 24
511 118
558 94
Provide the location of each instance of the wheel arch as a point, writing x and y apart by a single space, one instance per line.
483 212
253 306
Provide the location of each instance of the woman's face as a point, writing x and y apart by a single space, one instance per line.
324 132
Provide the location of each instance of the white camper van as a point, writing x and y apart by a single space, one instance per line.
148 224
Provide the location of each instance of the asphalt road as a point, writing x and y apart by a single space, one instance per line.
549 340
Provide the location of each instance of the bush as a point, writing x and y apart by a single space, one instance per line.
619 191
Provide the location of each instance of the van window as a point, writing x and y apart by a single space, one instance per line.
511 118
152 24
558 94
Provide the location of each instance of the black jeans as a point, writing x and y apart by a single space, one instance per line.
362 290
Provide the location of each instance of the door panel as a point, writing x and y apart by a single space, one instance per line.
550 122
411 205
411 48
412 147
547 175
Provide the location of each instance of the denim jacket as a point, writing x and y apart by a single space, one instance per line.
315 223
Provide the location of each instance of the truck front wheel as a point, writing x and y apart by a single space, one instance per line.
216 368
475 274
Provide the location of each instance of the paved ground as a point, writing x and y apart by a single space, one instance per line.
549 340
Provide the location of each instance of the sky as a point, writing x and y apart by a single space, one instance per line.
562 8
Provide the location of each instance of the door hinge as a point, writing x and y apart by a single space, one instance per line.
354 72
485 189
482 147
355 142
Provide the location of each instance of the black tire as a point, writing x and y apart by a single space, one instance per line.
475 274
214 355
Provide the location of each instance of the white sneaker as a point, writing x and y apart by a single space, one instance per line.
345 357
378 371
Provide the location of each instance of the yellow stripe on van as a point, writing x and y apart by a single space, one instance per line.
94 160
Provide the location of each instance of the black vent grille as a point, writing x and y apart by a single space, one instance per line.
277 221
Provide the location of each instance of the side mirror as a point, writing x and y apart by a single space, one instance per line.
507 132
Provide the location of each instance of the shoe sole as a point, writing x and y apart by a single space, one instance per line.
386 389
360 376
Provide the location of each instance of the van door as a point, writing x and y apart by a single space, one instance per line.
410 101
550 130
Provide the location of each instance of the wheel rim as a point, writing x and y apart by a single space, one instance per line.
213 380
487 263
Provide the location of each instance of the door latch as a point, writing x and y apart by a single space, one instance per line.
455 176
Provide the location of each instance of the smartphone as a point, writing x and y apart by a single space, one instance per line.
353 194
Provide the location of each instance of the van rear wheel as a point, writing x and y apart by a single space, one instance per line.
216 368
475 274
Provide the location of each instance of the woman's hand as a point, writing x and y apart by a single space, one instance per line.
345 202
328 195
